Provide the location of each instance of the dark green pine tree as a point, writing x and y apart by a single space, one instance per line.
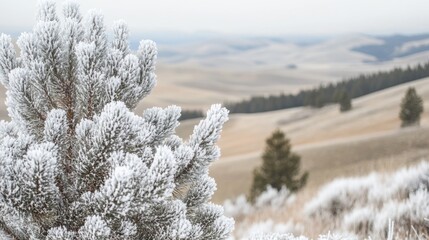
345 101
280 167
411 108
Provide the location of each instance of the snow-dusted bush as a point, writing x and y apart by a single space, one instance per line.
390 210
273 198
360 220
76 162
268 202
418 207
266 228
406 181
340 196
270 199
238 207
411 215
292 237
277 236
365 205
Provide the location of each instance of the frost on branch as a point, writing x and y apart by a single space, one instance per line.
76 162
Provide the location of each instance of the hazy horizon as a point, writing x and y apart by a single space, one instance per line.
256 18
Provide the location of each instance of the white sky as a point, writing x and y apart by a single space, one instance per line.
255 17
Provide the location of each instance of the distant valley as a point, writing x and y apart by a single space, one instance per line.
222 69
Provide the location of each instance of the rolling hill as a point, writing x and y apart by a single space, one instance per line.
331 143
233 68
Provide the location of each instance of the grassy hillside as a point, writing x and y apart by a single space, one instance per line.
332 143
358 156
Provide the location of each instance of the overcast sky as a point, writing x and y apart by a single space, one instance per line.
249 17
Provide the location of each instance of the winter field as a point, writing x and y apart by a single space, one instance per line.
331 143
87 154
338 150
365 207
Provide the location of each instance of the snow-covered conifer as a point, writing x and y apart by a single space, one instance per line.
76 162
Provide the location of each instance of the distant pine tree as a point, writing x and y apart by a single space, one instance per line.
411 108
326 94
345 101
280 167
190 114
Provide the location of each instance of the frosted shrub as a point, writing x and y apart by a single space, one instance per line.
418 207
410 216
270 199
360 220
292 237
277 236
338 237
340 196
366 205
76 162
238 207
268 202
266 227
273 198
407 180
392 210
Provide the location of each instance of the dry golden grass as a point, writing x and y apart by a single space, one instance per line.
385 152
332 144
293 212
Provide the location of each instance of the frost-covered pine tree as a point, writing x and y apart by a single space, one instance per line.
76 162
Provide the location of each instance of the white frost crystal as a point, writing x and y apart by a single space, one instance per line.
76 162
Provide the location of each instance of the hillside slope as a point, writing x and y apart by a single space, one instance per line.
331 143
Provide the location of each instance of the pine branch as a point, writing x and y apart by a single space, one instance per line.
79 165
8 231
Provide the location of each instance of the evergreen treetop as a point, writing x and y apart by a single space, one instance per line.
344 101
280 167
411 108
